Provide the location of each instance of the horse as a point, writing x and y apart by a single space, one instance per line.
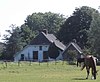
79 61
89 61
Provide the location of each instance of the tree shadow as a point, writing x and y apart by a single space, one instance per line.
79 79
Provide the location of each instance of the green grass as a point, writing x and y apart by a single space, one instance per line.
43 73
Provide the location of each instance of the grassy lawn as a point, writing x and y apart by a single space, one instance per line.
43 73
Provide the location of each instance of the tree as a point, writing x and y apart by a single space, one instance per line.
72 55
13 42
76 26
94 34
26 34
48 20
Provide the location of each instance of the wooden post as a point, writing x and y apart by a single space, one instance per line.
55 61
47 63
39 62
18 63
30 63
6 64
62 62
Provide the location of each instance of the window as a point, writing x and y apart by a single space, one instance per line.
40 48
45 46
22 56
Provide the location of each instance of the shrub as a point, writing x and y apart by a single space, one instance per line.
98 63
71 63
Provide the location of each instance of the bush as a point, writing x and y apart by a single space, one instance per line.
72 55
71 63
98 62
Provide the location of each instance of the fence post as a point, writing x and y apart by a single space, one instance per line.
18 63
30 63
55 62
62 62
47 63
6 63
39 62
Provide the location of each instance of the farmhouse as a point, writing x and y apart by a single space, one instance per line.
37 50
72 51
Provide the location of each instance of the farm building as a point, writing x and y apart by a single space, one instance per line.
37 50
72 51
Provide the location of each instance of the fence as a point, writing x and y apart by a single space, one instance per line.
6 63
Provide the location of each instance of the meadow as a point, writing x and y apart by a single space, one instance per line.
43 72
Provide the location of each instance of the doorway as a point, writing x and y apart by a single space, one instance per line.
35 55
45 55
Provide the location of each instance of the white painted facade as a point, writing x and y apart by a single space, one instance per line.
28 52
38 48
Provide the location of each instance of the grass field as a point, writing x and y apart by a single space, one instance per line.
44 72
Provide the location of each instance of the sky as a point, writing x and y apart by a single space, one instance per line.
16 11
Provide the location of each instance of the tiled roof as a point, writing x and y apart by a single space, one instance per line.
60 45
75 46
43 38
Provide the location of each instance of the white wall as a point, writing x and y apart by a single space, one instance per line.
28 50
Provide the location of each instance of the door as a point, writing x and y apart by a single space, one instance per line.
35 55
45 55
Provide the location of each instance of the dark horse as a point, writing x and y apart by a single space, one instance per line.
88 62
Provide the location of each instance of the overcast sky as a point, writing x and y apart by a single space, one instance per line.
16 11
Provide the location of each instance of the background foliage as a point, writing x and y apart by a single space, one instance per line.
83 26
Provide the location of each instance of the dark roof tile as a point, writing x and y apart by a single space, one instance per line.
75 46
43 38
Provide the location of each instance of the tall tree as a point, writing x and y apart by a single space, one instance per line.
48 20
13 42
94 34
76 26
26 34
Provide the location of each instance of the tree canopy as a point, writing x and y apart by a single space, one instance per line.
94 34
77 25
48 20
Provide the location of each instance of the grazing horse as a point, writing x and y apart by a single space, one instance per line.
89 62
